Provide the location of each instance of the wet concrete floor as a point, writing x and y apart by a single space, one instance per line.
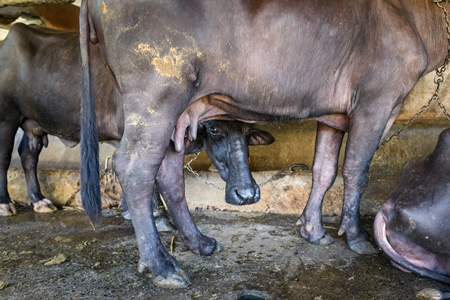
60 256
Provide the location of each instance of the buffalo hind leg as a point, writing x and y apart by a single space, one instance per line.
137 188
364 136
136 163
7 133
326 156
170 181
29 159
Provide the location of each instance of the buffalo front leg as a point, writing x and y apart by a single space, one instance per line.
29 159
326 156
170 181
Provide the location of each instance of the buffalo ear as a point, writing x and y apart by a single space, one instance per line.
260 137
191 147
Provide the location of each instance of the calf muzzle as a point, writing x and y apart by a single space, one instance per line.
242 196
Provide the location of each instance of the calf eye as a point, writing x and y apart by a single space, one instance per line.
213 130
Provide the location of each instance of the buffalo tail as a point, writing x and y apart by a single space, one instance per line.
90 176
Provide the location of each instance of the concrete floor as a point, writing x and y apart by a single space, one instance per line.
60 256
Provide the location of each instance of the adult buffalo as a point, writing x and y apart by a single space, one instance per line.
39 91
412 227
348 64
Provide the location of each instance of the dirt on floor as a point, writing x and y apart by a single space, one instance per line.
61 256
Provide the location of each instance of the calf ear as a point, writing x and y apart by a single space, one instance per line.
260 137
191 147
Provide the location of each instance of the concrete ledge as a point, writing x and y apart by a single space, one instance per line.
287 195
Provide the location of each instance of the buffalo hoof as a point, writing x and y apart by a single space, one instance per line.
360 243
219 248
7 210
179 279
364 247
176 280
126 215
44 206
206 247
326 239
316 235
163 225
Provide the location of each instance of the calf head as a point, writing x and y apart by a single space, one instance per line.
226 143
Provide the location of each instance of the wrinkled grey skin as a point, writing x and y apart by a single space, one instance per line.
39 92
347 64
412 227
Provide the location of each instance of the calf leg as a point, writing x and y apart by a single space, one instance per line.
29 158
170 180
6 147
326 156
